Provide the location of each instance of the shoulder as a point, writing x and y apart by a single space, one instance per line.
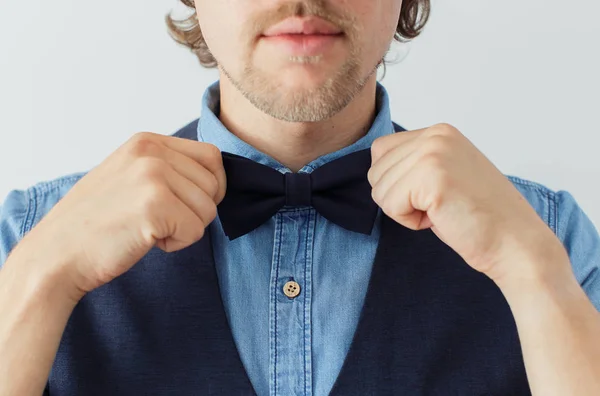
22 209
571 224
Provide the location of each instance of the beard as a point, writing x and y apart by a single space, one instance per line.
306 104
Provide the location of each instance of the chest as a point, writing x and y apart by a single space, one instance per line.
429 324
294 341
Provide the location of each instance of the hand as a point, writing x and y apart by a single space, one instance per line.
436 178
153 190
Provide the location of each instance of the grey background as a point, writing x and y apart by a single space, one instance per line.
518 78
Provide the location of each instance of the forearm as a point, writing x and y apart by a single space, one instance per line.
34 310
559 329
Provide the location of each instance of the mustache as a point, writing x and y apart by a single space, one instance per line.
317 8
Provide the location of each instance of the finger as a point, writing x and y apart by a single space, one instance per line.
192 170
174 225
386 143
207 155
195 198
183 227
399 203
391 175
390 159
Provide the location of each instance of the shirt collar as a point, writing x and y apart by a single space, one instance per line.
211 130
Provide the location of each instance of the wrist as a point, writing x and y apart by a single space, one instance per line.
534 256
41 273
538 274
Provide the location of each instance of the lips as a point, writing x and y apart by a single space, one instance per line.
311 36
304 26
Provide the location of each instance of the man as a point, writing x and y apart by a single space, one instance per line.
294 241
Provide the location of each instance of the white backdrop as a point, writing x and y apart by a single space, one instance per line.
519 78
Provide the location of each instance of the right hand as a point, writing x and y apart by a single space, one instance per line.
154 190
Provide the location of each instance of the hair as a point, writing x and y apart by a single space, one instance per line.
414 15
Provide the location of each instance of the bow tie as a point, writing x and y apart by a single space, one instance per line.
338 190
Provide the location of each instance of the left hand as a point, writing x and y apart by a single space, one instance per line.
436 178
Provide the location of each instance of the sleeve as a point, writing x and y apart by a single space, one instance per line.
14 211
581 240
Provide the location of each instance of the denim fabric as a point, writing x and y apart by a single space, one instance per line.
292 346
297 346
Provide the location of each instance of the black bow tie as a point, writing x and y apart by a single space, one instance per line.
338 190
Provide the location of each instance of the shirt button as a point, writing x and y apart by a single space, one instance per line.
291 289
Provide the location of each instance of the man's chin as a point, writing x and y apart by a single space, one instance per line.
302 102
302 77
300 90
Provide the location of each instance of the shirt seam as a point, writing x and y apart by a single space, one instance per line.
37 192
279 242
305 301
52 185
30 213
554 202
545 192
536 186
308 277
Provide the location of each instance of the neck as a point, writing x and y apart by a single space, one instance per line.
295 144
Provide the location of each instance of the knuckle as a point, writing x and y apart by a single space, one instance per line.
213 186
211 214
436 144
387 206
198 232
432 161
142 144
150 169
446 131
155 196
444 128
376 195
213 151
141 135
214 156
377 147
370 176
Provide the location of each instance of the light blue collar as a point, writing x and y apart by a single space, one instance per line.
211 130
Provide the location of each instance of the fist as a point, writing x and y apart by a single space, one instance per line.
154 190
436 178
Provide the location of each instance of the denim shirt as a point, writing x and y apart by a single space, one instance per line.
297 346
293 346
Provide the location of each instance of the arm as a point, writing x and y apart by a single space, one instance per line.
559 329
35 307
558 324
436 178
154 190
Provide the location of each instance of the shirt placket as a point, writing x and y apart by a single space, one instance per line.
290 303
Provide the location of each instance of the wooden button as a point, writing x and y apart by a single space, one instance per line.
291 289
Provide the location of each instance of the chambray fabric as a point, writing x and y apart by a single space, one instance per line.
297 346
